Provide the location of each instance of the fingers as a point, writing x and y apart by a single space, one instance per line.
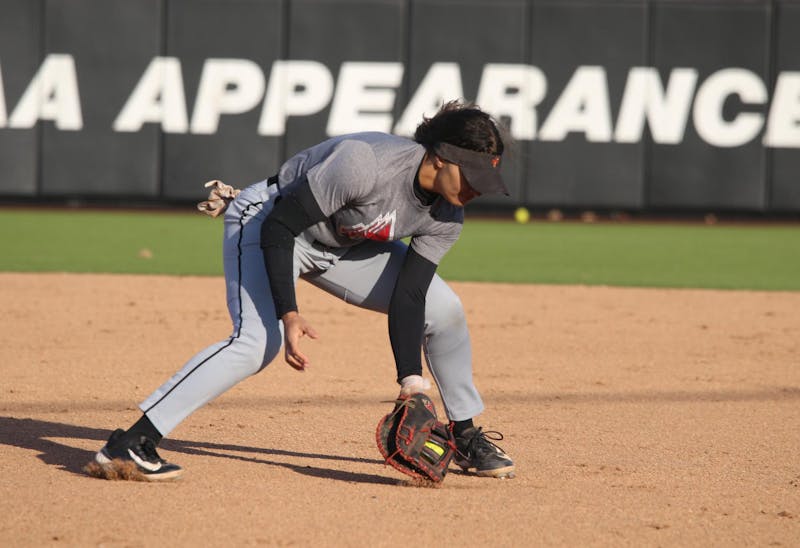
296 328
297 360
295 357
311 332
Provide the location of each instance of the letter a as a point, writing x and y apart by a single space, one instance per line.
158 97
51 95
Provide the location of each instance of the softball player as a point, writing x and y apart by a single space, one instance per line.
335 215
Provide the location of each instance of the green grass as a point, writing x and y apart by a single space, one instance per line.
657 255
630 254
91 241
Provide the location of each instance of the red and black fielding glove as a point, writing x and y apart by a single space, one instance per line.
412 439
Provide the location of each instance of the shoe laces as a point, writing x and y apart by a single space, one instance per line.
483 442
148 449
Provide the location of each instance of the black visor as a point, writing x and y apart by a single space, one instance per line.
482 170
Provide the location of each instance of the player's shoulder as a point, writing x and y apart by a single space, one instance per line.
357 162
352 144
375 141
348 157
377 138
383 146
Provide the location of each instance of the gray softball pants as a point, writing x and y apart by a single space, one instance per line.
363 275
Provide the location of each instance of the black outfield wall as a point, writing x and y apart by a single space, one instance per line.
637 105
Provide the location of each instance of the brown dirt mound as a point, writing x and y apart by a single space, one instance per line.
116 470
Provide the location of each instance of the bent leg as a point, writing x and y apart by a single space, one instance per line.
365 276
448 351
256 337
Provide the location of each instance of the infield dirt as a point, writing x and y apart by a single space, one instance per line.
636 417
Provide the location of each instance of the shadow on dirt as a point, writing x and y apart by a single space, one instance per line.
213 450
36 435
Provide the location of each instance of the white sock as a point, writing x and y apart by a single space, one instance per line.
413 384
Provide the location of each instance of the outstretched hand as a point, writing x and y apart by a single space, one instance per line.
296 327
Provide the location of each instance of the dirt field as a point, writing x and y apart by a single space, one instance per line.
635 417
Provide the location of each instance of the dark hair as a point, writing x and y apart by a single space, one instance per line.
463 125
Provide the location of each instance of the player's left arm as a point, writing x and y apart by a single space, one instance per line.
291 215
407 313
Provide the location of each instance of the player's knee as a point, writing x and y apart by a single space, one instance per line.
444 311
254 351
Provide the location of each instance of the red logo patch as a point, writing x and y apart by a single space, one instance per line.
380 230
495 161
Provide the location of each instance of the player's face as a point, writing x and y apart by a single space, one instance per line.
453 186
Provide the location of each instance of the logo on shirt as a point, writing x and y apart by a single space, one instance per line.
380 230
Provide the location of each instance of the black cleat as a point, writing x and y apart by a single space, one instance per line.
141 452
475 450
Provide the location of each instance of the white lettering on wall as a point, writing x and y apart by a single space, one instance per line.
365 96
227 86
583 107
783 125
442 83
513 92
157 98
364 99
645 99
51 95
708 118
296 88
